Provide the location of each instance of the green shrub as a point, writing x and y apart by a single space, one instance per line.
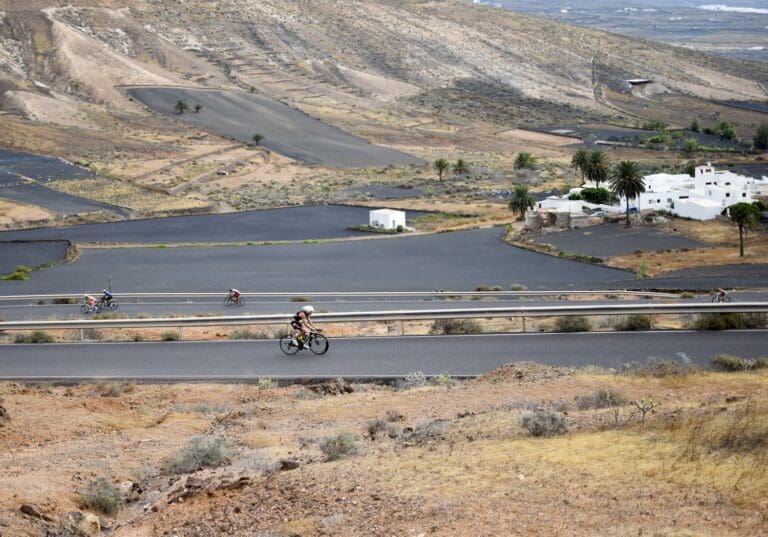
19 274
687 294
543 422
63 301
456 326
575 196
338 446
634 323
375 426
101 496
730 321
517 287
576 323
654 367
414 379
201 452
301 299
169 336
37 336
596 195
265 383
443 379
601 399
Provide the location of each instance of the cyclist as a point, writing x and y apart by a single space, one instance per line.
90 301
234 294
106 298
722 294
302 325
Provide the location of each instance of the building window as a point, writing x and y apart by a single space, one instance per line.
727 183
727 194
683 197
708 183
744 195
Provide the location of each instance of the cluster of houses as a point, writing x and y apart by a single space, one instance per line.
701 197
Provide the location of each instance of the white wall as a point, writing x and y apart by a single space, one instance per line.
386 218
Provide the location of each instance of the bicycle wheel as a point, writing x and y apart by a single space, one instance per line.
111 305
318 344
85 309
287 346
240 302
228 301
727 299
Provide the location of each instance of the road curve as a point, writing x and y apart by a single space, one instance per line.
364 357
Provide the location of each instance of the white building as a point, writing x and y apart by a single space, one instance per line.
701 197
386 218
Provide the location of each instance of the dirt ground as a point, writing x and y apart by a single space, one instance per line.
722 239
13 215
450 459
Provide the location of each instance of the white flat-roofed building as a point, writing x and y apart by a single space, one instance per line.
386 219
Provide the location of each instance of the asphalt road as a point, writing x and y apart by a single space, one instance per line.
365 357
308 222
615 239
38 166
459 261
55 201
239 114
725 276
155 308
30 254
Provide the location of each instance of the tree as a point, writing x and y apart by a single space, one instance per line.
257 138
690 169
761 137
460 168
181 106
725 130
441 165
521 201
695 126
198 107
580 161
598 166
691 146
626 181
743 215
524 160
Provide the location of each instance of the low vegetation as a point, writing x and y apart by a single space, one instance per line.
730 321
36 336
727 362
601 399
456 326
575 323
543 422
637 322
101 496
201 452
338 446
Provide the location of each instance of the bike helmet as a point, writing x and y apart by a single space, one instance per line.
308 309
103 290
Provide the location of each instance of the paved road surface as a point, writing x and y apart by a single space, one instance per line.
239 114
30 254
57 202
459 261
360 357
287 224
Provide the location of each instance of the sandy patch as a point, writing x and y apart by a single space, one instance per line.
538 137
12 214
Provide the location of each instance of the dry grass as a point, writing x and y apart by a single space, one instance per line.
14 214
124 194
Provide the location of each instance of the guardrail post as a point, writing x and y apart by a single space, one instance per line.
523 318
181 333
82 335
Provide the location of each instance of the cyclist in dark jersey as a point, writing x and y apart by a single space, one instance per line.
302 325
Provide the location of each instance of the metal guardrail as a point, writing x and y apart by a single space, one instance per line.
327 294
395 315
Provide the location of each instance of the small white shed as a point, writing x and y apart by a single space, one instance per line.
386 218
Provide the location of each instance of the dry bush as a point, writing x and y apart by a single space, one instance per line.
634 323
576 323
543 422
201 452
601 399
456 326
102 496
338 446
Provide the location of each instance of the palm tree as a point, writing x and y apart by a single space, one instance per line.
522 200
441 165
460 168
626 181
524 160
257 138
181 106
743 215
580 161
198 107
597 168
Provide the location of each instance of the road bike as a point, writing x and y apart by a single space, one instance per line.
107 304
717 298
86 309
230 301
315 341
